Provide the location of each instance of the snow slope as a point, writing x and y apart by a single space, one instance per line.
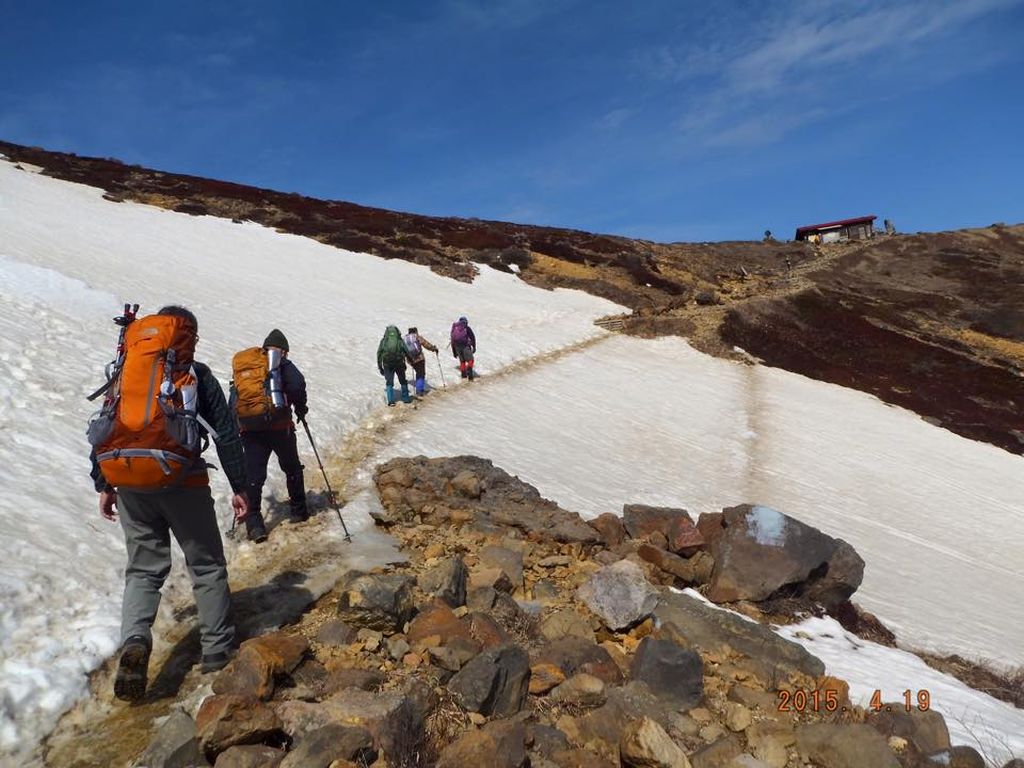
68 260
938 518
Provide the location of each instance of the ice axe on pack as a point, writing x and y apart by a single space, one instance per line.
330 493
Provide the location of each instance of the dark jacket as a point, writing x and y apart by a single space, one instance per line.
214 409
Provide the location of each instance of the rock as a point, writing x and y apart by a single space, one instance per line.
566 623
446 581
554 561
845 746
249 756
695 570
925 730
447 659
967 757
581 690
767 703
713 631
481 598
398 646
748 761
363 679
737 717
392 718
497 745
335 632
718 754
574 655
495 682
683 536
381 602
763 552
619 594
281 650
486 631
544 677
769 741
438 620
320 748
370 639
579 758
670 671
546 592
467 483
1015 763
610 528
225 720
711 526
490 578
176 744
545 740
506 560
247 674
641 520
644 744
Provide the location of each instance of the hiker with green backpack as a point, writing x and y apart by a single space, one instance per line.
391 359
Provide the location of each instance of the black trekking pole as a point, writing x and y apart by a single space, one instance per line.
441 369
330 492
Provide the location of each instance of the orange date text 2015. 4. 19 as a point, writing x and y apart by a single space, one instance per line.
800 700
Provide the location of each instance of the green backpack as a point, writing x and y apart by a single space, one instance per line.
392 347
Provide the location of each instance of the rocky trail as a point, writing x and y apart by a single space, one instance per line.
272 585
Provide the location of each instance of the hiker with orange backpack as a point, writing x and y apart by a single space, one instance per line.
160 410
463 344
265 387
391 358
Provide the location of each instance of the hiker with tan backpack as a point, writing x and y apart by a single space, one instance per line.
161 408
265 388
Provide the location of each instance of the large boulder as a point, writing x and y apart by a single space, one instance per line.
619 594
676 525
763 553
225 720
670 671
472 491
495 682
176 744
845 746
697 625
250 756
381 602
259 661
644 744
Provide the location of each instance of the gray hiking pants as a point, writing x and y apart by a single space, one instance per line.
148 519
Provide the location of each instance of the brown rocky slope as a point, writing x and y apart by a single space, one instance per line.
519 635
932 322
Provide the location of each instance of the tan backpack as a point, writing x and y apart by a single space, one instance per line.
254 405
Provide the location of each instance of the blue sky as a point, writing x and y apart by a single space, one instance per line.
661 119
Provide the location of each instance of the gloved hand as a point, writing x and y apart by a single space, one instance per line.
381 370
301 411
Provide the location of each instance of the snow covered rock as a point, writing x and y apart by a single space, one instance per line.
376 601
670 671
619 594
762 553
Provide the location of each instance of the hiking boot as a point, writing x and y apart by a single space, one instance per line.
132 668
214 662
258 535
298 517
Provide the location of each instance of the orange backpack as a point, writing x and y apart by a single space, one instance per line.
147 436
254 404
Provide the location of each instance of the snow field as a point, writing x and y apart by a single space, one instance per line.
68 262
